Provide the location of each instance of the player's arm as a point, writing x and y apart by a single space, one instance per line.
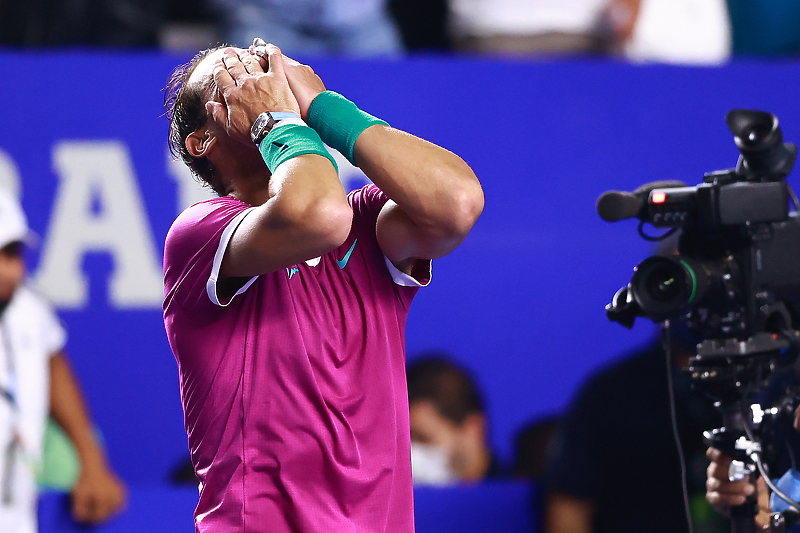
98 493
306 214
436 197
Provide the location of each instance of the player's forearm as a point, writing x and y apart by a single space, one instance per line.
309 197
69 411
435 187
306 216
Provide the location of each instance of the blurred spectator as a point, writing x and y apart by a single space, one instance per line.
312 27
533 445
676 31
526 26
670 31
617 437
190 25
81 22
449 434
34 371
424 24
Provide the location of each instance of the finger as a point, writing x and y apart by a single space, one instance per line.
104 510
763 520
729 488
275 58
797 419
763 495
251 63
719 470
81 507
217 112
289 61
716 455
222 78
724 500
234 65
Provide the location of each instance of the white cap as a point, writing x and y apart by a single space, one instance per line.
13 224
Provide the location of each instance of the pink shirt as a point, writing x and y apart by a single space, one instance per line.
294 391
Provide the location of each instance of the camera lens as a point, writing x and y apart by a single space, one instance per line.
664 286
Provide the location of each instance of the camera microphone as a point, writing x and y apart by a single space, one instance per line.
618 205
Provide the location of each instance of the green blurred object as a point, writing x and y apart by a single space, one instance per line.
60 464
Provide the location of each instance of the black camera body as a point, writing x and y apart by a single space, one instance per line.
735 271
734 277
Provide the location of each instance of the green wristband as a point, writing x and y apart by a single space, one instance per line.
291 140
339 122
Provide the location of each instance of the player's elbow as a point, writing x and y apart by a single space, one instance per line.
331 222
323 221
464 207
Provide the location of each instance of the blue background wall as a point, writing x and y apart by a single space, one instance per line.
520 303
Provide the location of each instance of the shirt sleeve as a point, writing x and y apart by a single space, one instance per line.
367 203
193 252
54 335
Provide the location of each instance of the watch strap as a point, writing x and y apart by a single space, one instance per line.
266 121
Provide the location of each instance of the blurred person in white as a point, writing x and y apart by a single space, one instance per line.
670 31
36 379
449 428
356 28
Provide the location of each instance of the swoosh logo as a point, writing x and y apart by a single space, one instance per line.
343 261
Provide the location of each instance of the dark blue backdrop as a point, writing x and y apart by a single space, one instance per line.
520 303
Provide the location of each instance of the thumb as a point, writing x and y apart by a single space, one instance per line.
217 112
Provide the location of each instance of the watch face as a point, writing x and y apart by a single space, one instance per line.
261 127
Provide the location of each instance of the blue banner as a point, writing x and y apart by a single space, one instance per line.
520 303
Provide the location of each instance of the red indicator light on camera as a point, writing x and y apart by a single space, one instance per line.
658 197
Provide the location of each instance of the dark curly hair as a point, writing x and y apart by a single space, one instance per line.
186 111
433 376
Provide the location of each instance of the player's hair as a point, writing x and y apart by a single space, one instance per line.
434 377
186 111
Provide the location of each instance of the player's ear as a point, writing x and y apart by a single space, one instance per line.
200 142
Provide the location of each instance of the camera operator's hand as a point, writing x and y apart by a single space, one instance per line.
722 493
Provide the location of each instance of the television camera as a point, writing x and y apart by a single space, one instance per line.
734 277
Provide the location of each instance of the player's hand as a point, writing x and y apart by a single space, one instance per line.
722 493
247 91
97 496
304 82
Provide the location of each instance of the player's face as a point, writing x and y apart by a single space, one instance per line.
12 270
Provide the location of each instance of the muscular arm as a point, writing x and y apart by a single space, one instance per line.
97 494
302 208
436 197
307 216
